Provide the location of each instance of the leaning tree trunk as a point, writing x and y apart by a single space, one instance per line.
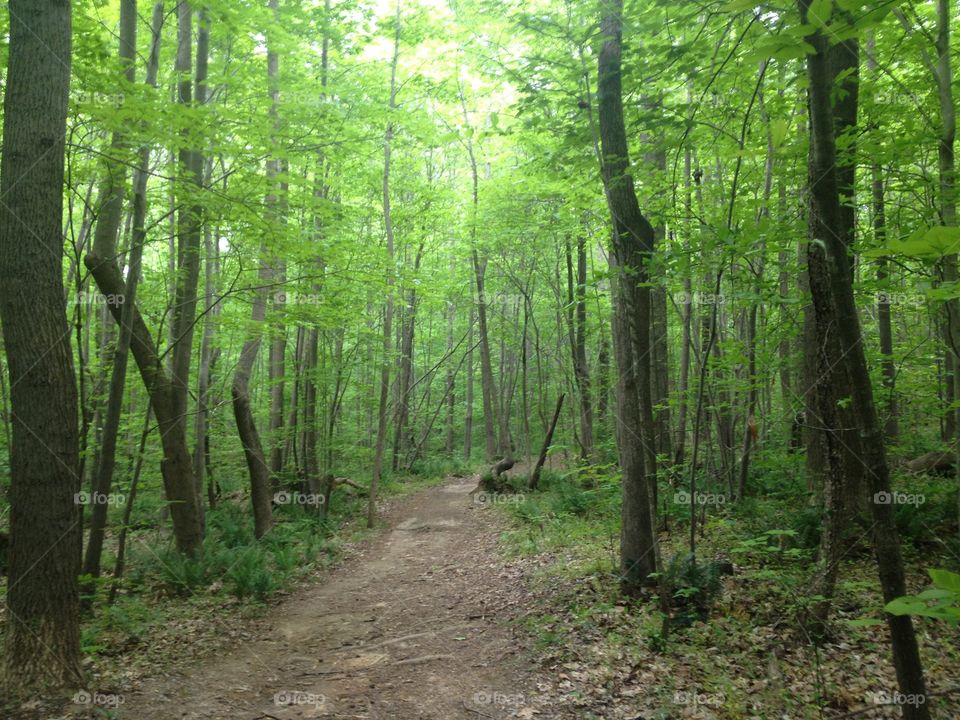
108 224
534 482
257 466
176 467
42 646
838 302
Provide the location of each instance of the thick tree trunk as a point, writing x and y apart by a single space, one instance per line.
42 646
405 369
843 486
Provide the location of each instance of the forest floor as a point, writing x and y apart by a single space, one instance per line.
412 626
471 605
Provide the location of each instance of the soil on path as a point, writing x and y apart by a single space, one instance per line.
412 628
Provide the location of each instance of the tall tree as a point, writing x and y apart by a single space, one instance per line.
633 239
388 304
831 284
167 400
42 646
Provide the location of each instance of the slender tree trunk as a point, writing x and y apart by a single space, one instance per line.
451 377
534 480
189 219
108 225
388 305
468 417
576 329
257 463
884 325
209 354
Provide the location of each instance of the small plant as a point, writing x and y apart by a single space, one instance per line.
250 577
695 587
941 602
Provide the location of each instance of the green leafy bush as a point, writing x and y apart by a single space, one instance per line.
695 584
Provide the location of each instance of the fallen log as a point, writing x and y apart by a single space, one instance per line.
502 466
940 462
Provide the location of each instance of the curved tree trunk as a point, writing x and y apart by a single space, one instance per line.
633 238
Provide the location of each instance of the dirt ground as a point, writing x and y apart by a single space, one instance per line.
411 628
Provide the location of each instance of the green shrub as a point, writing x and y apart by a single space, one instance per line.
250 576
695 585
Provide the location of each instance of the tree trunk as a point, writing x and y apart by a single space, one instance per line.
468 400
260 483
633 238
42 646
576 329
884 325
388 305
534 480
838 303
189 219
108 225
843 481
177 464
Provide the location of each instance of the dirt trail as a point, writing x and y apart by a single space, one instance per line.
409 629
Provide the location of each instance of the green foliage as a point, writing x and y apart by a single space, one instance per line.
250 574
695 585
941 602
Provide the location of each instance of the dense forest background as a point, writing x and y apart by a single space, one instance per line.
699 257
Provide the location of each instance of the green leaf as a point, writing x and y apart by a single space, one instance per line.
929 244
864 622
906 605
820 12
778 131
945 580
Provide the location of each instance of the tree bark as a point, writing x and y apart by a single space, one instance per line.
534 480
177 465
108 225
257 462
42 646
388 305
633 238
838 302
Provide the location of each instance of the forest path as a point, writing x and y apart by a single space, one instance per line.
408 629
